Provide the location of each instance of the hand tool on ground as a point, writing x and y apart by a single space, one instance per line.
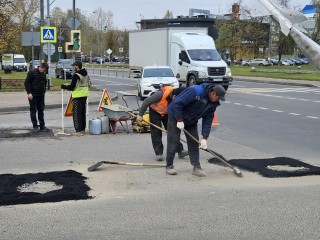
98 164
217 155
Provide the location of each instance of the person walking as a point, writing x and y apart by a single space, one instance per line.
158 103
199 101
79 88
35 85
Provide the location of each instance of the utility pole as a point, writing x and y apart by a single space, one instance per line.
49 47
41 24
74 25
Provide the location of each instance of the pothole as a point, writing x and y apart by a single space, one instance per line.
286 168
39 187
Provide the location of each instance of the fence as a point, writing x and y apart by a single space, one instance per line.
11 84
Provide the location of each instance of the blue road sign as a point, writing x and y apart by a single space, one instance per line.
48 34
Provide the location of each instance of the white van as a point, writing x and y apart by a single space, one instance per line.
16 61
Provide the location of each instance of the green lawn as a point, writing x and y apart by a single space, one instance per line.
285 72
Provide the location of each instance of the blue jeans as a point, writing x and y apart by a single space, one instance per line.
37 105
173 140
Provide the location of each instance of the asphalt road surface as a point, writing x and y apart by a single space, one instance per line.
257 121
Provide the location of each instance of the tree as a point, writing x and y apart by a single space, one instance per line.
168 15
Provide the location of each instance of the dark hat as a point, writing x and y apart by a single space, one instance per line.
77 63
220 91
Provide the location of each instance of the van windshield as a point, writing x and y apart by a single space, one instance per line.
19 60
204 55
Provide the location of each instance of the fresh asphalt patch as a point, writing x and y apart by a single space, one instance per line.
278 167
42 187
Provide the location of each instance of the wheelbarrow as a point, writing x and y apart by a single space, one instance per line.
117 113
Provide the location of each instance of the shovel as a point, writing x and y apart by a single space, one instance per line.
98 164
217 155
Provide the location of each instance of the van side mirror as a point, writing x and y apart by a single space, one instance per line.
180 62
178 75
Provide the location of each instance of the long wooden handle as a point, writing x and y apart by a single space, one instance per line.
136 164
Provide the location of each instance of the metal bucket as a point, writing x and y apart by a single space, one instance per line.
104 124
95 126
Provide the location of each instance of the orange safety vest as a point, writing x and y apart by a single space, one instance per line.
161 106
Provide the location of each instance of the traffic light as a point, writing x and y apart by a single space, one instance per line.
105 29
75 44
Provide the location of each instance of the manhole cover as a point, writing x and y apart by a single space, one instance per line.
39 187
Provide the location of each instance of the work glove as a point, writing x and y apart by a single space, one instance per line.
203 144
63 86
180 125
139 119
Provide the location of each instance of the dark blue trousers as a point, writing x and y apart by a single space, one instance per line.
173 140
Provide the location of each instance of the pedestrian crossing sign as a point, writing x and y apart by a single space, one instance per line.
48 34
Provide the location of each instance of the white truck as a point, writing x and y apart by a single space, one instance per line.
190 52
16 62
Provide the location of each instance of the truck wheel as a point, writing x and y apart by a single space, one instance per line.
191 81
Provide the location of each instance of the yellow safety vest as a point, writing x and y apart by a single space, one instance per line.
82 87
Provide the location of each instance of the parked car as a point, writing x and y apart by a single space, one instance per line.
257 62
274 61
287 62
99 60
304 60
154 77
297 61
34 64
64 68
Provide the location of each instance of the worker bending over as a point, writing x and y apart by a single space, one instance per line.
158 103
199 101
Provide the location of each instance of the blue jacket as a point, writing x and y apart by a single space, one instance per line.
191 105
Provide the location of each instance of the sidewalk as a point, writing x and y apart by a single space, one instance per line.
17 101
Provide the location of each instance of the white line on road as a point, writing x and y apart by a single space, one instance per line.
263 108
295 114
279 111
312 117
250 106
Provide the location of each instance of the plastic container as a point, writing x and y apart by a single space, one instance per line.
95 126
104 124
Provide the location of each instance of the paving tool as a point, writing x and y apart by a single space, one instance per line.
217 155
98 164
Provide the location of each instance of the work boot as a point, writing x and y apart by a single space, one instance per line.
170 170
183 153
197 171
44 129
159 158
35 128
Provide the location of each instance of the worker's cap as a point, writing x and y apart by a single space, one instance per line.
220 91
77 63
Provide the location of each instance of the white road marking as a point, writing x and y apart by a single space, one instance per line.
279 111
250 106
312 117
295 114
263 108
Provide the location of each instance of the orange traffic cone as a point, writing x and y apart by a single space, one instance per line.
215 120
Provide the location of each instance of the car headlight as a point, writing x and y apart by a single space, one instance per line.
202 74
228 72
175 84
146 84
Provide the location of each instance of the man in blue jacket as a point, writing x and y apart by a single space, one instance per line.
184 111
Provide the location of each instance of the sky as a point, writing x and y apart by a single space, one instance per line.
127 12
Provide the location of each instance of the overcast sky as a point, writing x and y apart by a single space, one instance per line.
127 12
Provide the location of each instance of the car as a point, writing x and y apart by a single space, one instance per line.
64 68
34 64
99 60
274 61
296 61
154 77
287 62
257 62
